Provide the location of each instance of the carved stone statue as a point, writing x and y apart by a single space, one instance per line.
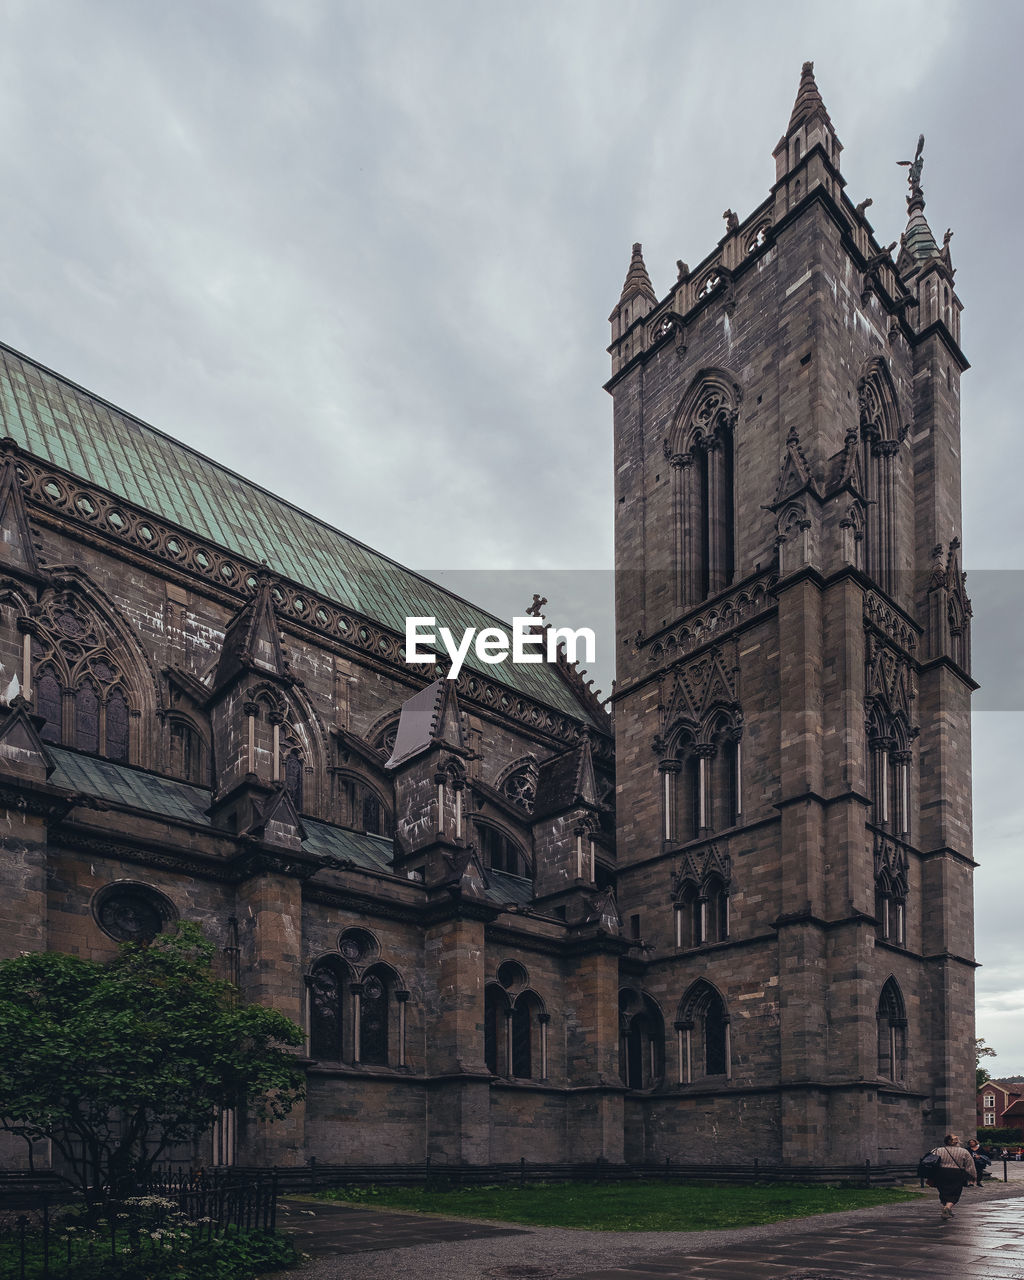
915 166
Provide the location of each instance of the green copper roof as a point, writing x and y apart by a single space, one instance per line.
133 788
918 240
121 785
71 428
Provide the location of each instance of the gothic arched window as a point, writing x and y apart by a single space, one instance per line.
684 816
117 727
641 1040
689 911
48 705
527 1033
702 466
724 775
889 762
326 1005
373 1019
880 434
892 1033
891 892
293 770
87 718
703 1033
497 1008
87 683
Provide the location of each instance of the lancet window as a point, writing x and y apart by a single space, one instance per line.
702 459
702 780
327 985
890 757
892 1033
641 1040
703 1037
891 891
880 441
515 1026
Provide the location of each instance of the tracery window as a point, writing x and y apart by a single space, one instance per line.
373 1019
131 912
521 788
79 688
326 1011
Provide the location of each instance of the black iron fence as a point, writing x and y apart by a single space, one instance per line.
46 1225
317 1175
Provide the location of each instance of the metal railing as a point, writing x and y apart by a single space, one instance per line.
46 1224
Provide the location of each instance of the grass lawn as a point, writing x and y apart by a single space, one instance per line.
625 1206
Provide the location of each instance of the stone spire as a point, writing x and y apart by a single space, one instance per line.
808 101
637 279
810 126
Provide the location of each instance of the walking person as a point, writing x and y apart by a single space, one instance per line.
954 1171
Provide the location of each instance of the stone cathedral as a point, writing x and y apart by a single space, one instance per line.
725 915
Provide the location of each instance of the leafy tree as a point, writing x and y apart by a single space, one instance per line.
116 1063
981 1050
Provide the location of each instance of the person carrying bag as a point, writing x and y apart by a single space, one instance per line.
954 1170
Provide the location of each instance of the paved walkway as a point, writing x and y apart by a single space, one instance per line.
985 1241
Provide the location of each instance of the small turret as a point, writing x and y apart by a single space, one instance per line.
926 268
637 300
807 154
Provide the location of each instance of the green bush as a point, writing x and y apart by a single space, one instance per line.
1001 1137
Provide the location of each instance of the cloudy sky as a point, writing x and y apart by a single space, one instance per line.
364 253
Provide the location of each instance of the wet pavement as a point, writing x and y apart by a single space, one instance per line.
908 1241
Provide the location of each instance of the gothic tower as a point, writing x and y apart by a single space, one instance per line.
792 710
